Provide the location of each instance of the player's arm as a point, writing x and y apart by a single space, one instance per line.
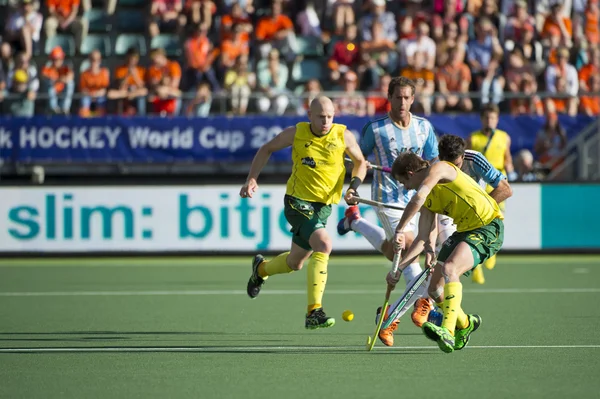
430 149
502 192
438 171
508 162
367 140
492 176
359 170
427 228
279 142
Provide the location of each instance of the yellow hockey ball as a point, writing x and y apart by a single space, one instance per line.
347 315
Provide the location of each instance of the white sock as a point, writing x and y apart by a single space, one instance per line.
411 272
373 233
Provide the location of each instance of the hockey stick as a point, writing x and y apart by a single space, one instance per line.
376 167
379 204
406 300
388 292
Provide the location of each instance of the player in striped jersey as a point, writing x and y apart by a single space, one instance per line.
387 138
453 149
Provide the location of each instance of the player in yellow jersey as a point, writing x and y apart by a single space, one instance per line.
442 188
316 182
494 144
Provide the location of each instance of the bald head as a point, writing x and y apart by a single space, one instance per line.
321 103
321 114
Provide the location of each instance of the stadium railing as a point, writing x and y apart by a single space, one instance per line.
220 100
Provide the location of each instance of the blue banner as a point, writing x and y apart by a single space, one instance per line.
214 139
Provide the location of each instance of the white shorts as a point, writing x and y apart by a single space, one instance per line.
389 219
446 228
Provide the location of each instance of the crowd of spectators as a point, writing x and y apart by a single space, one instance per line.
273 56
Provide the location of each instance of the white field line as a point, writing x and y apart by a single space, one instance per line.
244 262
288 292
217 349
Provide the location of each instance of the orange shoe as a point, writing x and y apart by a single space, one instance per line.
421 313
386 335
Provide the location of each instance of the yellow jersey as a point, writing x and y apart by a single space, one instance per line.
495 151
318 169
464 201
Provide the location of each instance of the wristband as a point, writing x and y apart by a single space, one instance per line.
355 183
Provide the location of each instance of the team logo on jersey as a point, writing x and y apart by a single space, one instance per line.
308 144
331 145
429 202
474 237
309 161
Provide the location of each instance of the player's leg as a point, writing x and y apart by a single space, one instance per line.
446 290
285 262
352 221
424 306
389 220
316 273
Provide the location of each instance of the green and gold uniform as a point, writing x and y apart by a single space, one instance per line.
316 181
477 216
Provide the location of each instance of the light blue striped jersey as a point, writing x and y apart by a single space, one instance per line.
386 141
481 170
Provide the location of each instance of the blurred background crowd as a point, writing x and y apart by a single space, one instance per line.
197 57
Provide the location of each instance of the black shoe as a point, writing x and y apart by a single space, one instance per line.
318 319
255 282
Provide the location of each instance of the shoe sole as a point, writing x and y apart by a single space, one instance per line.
329 323
446 347
430 333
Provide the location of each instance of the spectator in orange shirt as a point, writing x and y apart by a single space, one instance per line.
590 69
200 56
60 81
277 30
93 85
345 55
63 16
551 140
424 81
529 103
590 105
454 78
591 23
166 16
377 102
130 86
560 21
232 48
163 78
236 17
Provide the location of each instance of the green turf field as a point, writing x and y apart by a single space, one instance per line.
183 328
